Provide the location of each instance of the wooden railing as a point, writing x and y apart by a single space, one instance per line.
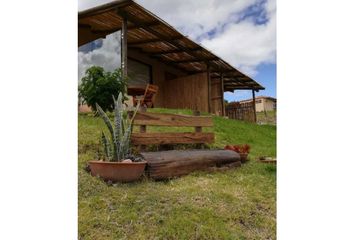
144 119
240 111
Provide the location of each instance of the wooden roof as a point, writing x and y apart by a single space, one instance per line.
158 39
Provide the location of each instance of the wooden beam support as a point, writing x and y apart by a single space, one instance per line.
124 47
250 87
109 31
254 106
222 94
233 76
193 60
231 88
142 42
150 24
209 88
174 65
216 71
158 53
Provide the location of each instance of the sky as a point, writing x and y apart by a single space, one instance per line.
242 32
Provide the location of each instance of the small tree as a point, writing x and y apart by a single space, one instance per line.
98 86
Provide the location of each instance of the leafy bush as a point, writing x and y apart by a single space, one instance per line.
98 86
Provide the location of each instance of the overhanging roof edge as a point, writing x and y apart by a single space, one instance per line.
122 3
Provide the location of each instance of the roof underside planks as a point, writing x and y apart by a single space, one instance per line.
159 40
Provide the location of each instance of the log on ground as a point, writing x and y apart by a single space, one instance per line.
175 163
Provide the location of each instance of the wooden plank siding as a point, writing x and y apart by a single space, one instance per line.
188 92
173 120
216 98
144 119
171 138
185 91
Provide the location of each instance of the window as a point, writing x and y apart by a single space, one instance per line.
139 73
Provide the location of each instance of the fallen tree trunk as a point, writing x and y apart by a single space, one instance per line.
169 164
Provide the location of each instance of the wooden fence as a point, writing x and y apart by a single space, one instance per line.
240 111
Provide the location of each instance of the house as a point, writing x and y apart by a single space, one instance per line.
152 51
263 103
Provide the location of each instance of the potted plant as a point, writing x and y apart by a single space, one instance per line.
243 150
117 163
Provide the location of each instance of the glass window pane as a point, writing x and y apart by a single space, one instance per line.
139 73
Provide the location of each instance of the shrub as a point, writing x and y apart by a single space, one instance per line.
98 86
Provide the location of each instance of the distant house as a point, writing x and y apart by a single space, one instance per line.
263 103
84 108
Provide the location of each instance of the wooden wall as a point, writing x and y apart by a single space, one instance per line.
184 91
158 73
187 92
216 97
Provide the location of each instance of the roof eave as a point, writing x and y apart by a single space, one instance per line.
104 8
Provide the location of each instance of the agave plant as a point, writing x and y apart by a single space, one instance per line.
117 147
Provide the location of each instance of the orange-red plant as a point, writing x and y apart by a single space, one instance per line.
239 148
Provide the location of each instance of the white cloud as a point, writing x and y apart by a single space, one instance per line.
242 43
196 17
107 56
86 4
245 45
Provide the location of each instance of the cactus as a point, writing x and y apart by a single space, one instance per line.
120 131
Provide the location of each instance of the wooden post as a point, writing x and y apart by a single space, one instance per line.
197 129
222 94
197 113
209 88
142 130
254 106
124 47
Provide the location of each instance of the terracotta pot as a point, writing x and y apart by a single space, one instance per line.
243 157
117 171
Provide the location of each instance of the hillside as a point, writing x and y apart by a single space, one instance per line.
236 204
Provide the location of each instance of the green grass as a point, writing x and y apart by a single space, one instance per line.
268 117
235 204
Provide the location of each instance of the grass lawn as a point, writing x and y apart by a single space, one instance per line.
237 204
268 117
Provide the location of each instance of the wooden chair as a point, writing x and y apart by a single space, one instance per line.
147 100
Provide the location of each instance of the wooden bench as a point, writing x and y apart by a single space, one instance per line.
144 119
169 164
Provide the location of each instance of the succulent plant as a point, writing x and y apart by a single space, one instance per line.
117 148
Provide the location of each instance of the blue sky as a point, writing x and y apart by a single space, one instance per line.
242 32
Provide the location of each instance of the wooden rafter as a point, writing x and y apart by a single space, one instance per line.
157 53
193 60
142 42
170 41
171 64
